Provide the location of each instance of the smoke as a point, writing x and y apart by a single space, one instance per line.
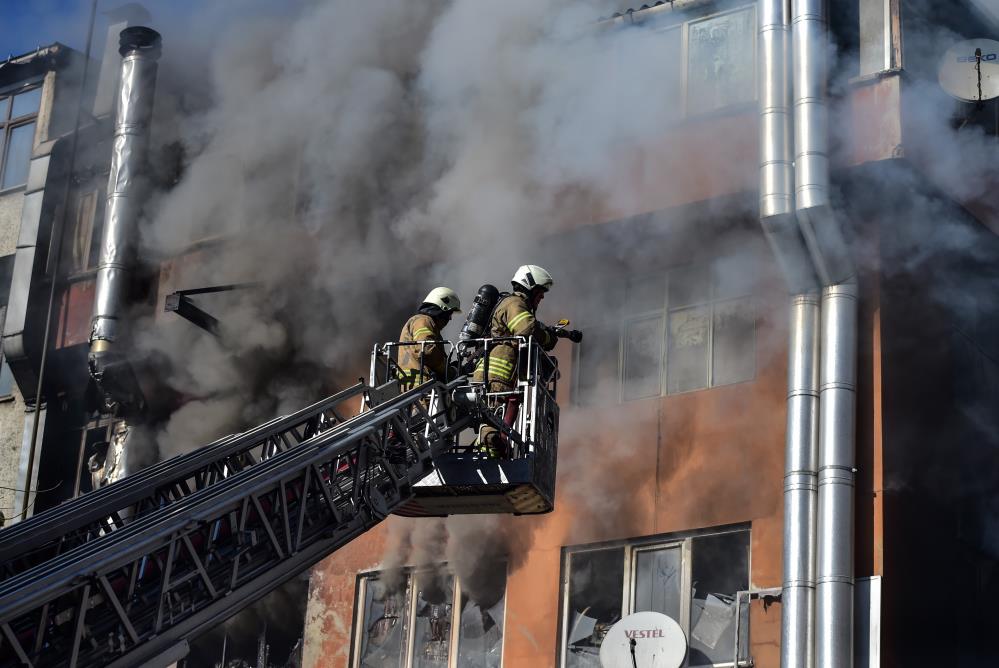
352 157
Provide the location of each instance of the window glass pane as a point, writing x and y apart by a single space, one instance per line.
719 569
687 358
480 633
26 103
383 638
645 294
643 355
721 62
18 155
4 106
432 623
657 581
734 342
597 372
595 581
689 285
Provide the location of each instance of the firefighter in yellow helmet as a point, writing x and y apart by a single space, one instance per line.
418 364
514 315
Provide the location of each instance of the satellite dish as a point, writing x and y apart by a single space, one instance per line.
970 70
644 640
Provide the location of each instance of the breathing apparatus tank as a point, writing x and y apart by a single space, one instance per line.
477 320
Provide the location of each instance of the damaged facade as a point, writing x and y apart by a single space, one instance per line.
672 461
672 469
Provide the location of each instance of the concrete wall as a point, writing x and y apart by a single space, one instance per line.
12 410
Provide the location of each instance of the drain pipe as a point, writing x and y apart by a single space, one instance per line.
140 49
833 623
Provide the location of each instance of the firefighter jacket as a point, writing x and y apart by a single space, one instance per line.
513 316
421 327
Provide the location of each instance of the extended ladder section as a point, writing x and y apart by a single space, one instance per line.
138 590
124 575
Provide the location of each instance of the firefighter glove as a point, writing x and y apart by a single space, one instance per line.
573 335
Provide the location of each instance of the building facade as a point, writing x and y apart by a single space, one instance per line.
671 461
670 486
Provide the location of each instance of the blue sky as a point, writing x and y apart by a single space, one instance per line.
25 24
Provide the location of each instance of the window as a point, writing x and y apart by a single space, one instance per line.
424 619
694 579
18 110
82 244
713 58
688 329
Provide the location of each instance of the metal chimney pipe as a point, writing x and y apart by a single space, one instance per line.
140 49
837 440
810 48
777 213
800 463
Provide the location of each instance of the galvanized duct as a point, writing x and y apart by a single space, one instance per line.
810 50
837 437
776 167
800 463
140 49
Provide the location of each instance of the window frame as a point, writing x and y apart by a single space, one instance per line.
632 547
9 124
682 21
625 319
412 576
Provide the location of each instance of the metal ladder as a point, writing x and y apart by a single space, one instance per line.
124 575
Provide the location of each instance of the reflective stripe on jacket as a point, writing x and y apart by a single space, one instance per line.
512 316
421 327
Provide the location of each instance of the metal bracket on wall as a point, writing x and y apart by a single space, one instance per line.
180 303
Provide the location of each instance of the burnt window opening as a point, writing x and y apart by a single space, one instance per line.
690 328
426 619
18 115
693 579
81 245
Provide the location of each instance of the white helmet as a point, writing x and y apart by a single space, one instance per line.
445 298
532 276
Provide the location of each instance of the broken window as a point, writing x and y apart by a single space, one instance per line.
432 620
480 632
719 570
426 620
693 579
384 629
594 604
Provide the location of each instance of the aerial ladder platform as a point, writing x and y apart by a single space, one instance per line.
125 575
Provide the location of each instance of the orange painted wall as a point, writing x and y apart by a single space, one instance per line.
642 468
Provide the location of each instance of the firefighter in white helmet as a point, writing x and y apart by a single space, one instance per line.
514 315
419 363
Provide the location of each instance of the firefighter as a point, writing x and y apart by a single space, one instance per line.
418 364
514 315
